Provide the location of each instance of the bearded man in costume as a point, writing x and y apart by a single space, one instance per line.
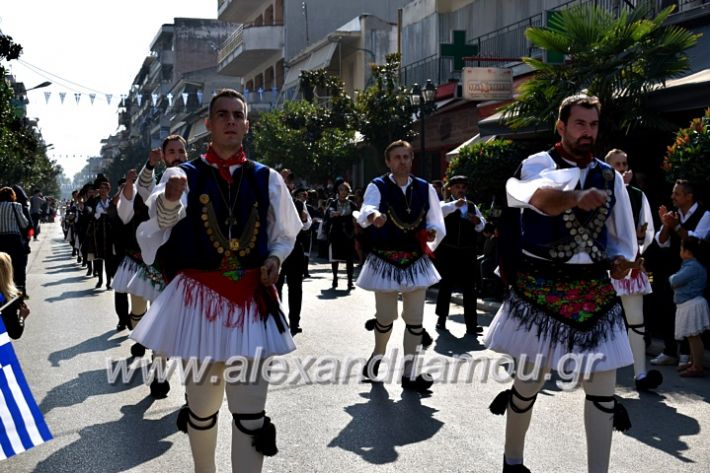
575 225
135 278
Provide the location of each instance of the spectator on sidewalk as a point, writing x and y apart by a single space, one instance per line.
689 219
13 235
37 203
456 255
692 313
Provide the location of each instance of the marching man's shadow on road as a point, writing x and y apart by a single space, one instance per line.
381 424
87 384
99 343
115 446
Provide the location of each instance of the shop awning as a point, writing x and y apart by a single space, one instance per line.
318 59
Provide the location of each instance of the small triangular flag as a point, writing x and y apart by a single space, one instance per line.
61 96
92 97
184 98
199 97
170 98
108 98
154 99
46 96
139 99
77 96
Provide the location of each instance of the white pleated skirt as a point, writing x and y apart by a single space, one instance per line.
381 276
692 317
125 272
508 334
141 285
177 326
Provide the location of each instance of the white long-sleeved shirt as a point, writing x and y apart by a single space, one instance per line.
447 208
702 229
539 171
434 217
282 220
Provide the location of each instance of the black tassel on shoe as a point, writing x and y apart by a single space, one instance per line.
265 439
426 339
622 423
182 418
500 403
370 325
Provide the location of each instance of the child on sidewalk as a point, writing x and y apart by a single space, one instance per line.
692 313
12 307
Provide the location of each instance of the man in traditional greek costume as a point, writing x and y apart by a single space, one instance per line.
632 289
404 224
135 278
575 226
222 225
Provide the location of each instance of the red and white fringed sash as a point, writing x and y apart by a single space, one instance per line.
219 296
637 283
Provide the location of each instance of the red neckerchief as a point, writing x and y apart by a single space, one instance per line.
581 162
223 165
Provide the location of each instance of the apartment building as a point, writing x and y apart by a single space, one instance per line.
179 48
275 36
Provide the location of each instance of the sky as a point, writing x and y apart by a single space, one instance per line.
85 46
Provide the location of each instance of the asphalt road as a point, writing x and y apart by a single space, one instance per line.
327 420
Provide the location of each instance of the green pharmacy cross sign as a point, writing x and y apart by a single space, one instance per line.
458 49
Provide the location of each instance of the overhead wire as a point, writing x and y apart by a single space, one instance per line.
54 77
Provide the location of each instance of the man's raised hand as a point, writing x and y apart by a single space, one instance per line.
590 199
175 187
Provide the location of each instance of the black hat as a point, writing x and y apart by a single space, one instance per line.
458 179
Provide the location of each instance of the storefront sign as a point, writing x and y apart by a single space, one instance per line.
487 83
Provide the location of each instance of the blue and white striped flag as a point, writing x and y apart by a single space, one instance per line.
21 423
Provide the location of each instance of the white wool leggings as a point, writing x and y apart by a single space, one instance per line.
205 399
633 308
412 314
598 424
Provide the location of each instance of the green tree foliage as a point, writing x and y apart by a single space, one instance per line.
23 153
133 156
689 155
618 59
383 111
306 138
488 166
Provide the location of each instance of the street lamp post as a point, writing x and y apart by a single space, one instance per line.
423 102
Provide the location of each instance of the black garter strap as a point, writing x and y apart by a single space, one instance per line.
373 324
415 329
137 317
185 417
621 420
635 328
505 399
419 330
263 438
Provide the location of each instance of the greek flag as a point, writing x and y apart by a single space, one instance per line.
21 423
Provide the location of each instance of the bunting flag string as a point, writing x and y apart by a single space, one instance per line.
153 99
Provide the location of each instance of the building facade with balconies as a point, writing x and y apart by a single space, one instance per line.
275 32
495 29
178 49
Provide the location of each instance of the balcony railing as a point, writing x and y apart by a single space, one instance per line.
237 38
510 41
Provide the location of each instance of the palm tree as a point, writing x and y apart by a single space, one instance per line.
618 59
